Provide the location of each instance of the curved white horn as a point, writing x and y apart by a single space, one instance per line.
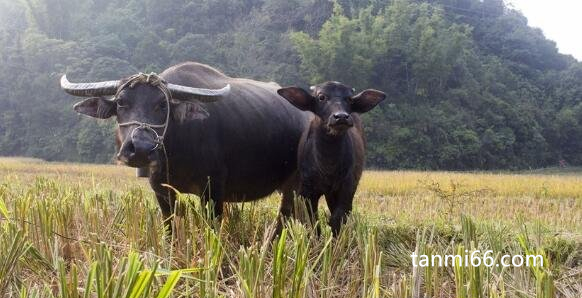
89 89
200 94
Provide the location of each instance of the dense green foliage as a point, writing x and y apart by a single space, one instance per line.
470 85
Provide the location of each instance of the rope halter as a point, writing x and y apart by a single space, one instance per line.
154 80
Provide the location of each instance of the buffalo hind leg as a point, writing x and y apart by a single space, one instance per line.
302 207
285 211
288 191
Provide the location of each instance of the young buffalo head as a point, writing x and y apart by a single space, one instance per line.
333 103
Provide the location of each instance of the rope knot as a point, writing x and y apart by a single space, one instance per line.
151 78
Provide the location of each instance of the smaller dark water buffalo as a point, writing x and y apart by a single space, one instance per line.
331 150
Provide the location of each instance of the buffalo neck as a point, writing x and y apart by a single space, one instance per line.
331 148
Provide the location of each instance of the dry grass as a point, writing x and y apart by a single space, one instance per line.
553 200
75 230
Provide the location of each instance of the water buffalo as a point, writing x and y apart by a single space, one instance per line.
233 141
331 150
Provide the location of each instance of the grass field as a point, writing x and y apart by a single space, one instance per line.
72 230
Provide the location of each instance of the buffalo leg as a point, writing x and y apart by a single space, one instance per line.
214 195
166 205
310 199
285 211
311 204
340 206
166 198
286 208
288 191
289 208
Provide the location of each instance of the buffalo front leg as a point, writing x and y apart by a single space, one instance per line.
167 203
308 201
213 196
166 198
340 206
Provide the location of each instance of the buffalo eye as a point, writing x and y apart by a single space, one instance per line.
121 104
162 106
321 97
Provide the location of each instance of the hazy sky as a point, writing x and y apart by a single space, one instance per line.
560 20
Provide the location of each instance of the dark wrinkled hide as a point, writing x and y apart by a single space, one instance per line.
331 151
246 148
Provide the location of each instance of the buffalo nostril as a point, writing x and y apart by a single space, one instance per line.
341 116
129 148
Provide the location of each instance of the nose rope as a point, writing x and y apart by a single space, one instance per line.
156 81
158 140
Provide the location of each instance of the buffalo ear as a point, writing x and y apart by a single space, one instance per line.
96 107
367 100
297 97
188 110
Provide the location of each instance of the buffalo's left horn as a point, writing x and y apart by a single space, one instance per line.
200 94
106 88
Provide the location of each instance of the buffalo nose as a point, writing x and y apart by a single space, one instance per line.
141 149
341 116
135 151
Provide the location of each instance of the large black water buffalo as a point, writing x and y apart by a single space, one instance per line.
233 141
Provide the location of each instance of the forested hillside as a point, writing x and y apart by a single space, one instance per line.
469 84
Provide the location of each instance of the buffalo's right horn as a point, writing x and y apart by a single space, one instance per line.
200 94
106 88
